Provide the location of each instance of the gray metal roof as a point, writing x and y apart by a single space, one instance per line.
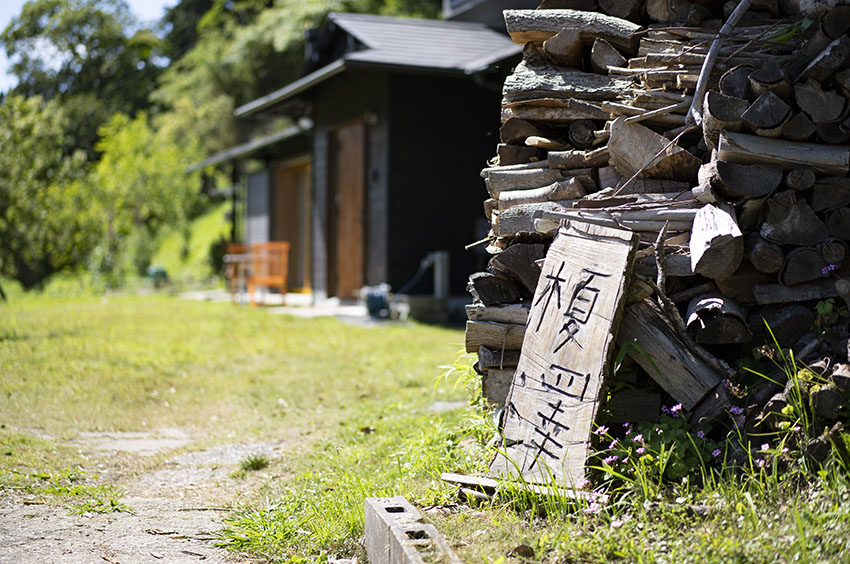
254 146
403 43
432 44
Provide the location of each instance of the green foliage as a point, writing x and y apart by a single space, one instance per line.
47 218
72 486
90 54
140 185
254 462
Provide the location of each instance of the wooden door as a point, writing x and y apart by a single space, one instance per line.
290 220
346 234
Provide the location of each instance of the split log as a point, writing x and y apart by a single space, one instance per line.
833 133
520 219
499 181
518 262
767 294
604 55
515 131
750 214
831 193
583 5
492 335
496 384
832 251
526 26
838 223
736 181
564 190
721 112
787 322
836 22
798 128
545 143
741 284
490 289
630 405
736 83
742 148
712 407
717 320
582 133
565 48
831 60
792 222
610 178
820 106
842 79
769 77
767 115
766 257
578 159
516 314
672 11
717 244
496 358
516 154
530 82
564 113
800 179
664 356
633 149
802 264
624 9
675 265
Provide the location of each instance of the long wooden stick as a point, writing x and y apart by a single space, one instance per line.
695 113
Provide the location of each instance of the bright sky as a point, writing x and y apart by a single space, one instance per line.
146 10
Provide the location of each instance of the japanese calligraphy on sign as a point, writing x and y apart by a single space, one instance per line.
566 351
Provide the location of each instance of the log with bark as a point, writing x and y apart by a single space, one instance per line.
637 150
493 335
746 149
519 263
490 289
738 181
792 222
565 47
721 112
527 26
717 320
529 82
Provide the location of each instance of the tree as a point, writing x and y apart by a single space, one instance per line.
140 184
47 222
89 54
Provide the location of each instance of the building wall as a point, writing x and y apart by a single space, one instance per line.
257 207
349 96
443 132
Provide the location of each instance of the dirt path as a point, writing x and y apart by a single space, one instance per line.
177 506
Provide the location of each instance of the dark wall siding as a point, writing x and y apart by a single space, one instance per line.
352 95
443 130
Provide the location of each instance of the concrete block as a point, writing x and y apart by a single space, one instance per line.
396 535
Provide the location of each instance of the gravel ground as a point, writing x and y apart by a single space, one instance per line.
177 506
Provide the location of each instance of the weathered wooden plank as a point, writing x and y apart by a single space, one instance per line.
493 335
664 356
565 357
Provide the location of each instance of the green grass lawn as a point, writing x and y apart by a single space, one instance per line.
358 406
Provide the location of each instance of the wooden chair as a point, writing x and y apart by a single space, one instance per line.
269 266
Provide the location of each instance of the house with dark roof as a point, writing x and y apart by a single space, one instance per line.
394 120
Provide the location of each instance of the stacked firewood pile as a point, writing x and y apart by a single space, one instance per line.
729 158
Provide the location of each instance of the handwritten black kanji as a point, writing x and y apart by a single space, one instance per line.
553 287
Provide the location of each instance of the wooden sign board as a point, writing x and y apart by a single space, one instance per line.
554 393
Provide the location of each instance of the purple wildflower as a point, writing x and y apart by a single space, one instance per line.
760 462
601 430
638 438
765 447
640 450
676 410
593 507
583 483
828 268
701 434
626 425
616 524
610 459
715 453
735 410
